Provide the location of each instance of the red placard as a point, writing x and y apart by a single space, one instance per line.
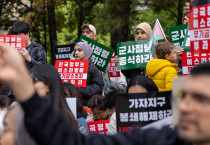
113 72
199 27
100 127
73 71
16 41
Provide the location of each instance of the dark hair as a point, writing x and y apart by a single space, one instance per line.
96 101
74 92
20 27
143 81
163 48
50 77
4 101
110 99
201 69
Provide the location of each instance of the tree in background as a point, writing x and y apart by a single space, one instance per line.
59 21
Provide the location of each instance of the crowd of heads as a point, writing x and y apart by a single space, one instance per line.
194 106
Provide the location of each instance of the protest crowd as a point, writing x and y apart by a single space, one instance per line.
151 91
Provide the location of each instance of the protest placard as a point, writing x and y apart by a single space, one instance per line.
73 71
133 54
63 52
186 43
113 71
101 54
72 103
100 127
141 109
177 35
16 41
199 27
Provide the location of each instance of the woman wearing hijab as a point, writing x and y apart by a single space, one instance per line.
94 79
143 32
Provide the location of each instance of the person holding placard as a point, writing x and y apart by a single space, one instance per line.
192 128
94 79
34 53
110 83
143 32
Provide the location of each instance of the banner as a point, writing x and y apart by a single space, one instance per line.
177 35
16 41
101 54
133 54
141 109
199 27
100 127
113 71
63 52
73 71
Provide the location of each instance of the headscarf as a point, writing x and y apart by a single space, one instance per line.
146 27
85 47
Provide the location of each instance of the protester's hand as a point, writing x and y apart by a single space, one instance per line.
14 73
25 54
180 51
116 59
186 9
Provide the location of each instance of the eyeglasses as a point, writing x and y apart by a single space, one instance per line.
34 79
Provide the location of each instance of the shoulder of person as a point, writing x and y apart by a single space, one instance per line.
37 45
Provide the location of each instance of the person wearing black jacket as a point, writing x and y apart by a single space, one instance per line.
34 53
48 126
95 82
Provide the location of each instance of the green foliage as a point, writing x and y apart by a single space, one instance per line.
107 16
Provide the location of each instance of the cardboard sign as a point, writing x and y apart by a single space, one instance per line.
177 35
101 54
73 71
63 52
113 71
133 54
199 27
72 103
141 109
100 127
16 41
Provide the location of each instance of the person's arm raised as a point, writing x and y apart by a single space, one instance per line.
14 73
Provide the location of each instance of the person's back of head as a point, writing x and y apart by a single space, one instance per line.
164 50
110 101
202 69
20 27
